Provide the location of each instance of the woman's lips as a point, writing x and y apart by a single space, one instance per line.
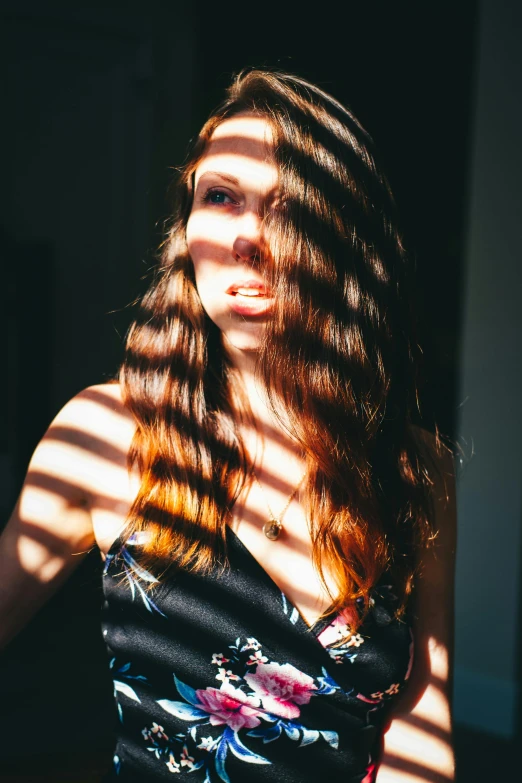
249 298
249 305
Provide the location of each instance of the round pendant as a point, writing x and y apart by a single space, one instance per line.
272 529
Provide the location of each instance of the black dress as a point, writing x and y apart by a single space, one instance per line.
218 679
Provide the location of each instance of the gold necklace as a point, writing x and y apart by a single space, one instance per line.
272 529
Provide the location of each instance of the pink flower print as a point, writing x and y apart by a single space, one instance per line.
281 688
156 729
334 633
393 689
206 743
172 764
229 706
186 760
367 700
225 675
370 774
257 657
252 644
338 629
219 658
159 730
355 641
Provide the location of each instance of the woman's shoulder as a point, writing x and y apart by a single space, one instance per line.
435 448
77 492
423 436
83 457
95 412
440 466
88 438
94 398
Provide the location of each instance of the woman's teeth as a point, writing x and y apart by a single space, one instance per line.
249 292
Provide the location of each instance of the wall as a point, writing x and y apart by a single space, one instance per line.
490 426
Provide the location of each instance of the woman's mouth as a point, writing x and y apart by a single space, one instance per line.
249 298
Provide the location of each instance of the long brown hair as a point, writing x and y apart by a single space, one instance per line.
339 355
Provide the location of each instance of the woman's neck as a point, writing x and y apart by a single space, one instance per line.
263 431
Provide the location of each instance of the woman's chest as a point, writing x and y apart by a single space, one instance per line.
286 560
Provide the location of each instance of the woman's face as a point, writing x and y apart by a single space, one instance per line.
235 182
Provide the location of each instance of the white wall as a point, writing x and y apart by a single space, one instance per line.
489 490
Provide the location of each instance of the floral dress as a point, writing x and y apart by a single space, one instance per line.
218 678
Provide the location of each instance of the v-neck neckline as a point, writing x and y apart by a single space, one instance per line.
319 625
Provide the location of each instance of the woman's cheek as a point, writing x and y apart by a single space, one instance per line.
209 234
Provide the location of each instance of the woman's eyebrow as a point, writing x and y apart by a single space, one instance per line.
222 175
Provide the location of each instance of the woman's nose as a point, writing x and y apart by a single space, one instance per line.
247 242
245 249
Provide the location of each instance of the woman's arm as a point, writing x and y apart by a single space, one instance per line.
51 529
418 746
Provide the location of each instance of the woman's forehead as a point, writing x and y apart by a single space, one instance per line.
246 126
241 146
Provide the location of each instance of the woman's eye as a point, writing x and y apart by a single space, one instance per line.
217 197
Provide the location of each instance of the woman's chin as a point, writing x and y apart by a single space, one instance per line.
241 342
245 346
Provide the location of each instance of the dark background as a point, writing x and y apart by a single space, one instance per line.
99 102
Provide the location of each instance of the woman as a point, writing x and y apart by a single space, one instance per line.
278 536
